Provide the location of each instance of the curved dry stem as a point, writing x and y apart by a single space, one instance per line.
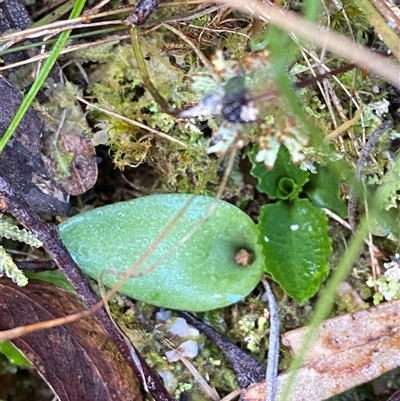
133 122
291 22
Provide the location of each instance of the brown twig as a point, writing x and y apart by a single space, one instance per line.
37 266
12 203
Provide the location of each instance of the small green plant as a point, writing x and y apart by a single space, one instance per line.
293 232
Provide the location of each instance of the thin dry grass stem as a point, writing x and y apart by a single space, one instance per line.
328 102
127 341
346 125
61 123
46 9
352 99
322 86
81 70
132 122
271 374
38 66
337 218
198 52
83 22
333 42
361 163
219 17
23 330
145 32
97 7
334 77
207 389
376 270
345 224
187 17
215 30
66 50
355 143
180 3
63 25
336 102
330 96
216 26
201 11
339 6
232 395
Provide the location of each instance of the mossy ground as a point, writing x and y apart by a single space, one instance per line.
136 162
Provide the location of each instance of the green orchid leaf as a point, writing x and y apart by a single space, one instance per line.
285 181
54 277
296 246
13 354
323 189
202 274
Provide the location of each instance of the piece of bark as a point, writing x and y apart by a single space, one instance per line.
349 350
143 10
75 359
13 17
22 163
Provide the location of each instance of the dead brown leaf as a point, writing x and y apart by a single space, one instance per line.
349 350
83 167
76 360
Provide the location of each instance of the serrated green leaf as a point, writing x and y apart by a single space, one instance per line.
201 275
323 189
284 181
296 246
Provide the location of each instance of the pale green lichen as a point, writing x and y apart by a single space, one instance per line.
11 231
10 269
7 265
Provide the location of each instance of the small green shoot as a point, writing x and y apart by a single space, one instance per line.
293 232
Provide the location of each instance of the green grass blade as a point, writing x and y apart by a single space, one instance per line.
44 72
